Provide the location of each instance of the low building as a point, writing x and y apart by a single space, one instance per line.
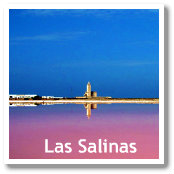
21 96
93 93
47 97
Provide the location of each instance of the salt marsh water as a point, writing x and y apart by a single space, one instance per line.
30 126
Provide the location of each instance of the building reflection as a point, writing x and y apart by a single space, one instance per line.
89 100
88 95
88 107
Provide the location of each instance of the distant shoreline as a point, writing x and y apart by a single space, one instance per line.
91 100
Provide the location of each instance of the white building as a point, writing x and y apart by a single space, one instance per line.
47 97
18 96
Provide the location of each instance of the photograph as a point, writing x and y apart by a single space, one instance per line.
84 84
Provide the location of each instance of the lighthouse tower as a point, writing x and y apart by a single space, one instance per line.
88 90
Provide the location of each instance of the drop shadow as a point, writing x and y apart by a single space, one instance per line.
166 125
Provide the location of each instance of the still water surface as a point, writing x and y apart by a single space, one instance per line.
30 126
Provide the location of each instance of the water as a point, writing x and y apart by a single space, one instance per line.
30 126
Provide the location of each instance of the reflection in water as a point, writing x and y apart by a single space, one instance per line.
30 126
88 107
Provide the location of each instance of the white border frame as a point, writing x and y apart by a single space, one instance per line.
84 161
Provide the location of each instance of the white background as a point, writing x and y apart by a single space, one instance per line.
169 73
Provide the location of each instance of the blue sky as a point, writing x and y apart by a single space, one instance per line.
56 52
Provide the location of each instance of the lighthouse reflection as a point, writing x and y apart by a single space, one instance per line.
88 107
